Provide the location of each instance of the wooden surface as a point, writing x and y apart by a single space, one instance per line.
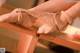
27 43
64 39
10 36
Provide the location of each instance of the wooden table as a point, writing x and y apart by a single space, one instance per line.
28 38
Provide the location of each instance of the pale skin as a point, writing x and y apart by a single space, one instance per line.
68 12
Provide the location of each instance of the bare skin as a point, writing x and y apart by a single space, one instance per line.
53 6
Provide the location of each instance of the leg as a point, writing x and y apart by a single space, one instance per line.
53 6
